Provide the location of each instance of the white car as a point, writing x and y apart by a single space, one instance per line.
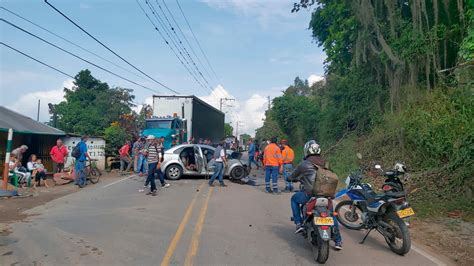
197 159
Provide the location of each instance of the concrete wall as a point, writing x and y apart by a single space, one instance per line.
95 147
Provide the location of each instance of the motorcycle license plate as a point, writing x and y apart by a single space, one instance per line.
405 212
323 221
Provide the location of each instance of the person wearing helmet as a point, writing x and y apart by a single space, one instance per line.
306 173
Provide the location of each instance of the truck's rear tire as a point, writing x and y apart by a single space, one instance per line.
174 172
237 173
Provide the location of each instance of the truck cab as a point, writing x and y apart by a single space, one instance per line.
172 128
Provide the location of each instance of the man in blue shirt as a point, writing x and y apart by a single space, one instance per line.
81 163
252 150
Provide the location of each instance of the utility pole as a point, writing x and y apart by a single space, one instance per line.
237 128
221 102
38 114
269 102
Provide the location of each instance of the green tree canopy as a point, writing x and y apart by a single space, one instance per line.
228 130
91 105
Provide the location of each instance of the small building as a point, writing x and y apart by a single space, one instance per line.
37 136
40 138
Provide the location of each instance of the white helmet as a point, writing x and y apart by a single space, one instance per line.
311 148
399 167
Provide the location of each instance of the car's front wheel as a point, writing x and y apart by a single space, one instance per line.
237 173
174 172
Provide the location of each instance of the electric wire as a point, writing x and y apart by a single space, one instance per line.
37 60
166 41
186 39
70 42
76 56
194 36
106 47
173 42
182 45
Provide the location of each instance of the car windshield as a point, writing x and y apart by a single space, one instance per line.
158 124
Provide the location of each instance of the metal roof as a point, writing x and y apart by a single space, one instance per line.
24 124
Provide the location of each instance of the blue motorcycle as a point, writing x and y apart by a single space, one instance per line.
366 209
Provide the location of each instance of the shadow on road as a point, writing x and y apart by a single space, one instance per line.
298 245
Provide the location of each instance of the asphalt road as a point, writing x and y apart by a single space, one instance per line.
186 224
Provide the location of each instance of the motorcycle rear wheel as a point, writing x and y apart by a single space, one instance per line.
346 218
320 250
400 234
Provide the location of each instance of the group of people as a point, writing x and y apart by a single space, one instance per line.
146 155
35 167
278 159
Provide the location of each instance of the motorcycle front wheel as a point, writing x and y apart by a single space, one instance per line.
349 215
320 250
398 238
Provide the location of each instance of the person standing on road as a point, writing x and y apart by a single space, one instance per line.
252 151
80 166
273 162
288 156
153 157
306 173
125 158
161 150
138 149
59 155
220 162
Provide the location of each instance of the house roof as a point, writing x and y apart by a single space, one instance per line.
24 124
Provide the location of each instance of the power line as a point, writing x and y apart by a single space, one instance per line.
37 60
182 45
70 42
106 47
173 42
194 36
166 41
186 39
76 56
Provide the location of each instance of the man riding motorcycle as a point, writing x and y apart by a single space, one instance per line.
306 173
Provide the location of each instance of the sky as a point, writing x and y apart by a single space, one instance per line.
255 47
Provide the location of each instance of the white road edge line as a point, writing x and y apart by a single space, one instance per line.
118 181
428 256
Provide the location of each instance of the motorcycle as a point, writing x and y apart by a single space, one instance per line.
318 225
367 210
393 185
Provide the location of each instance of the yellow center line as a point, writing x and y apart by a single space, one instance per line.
179 232
193 247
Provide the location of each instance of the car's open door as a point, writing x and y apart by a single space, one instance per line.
199 159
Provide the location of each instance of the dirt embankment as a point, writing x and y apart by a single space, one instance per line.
450 237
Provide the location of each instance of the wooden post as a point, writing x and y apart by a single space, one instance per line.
7 158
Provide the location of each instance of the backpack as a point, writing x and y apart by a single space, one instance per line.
325 183
76 151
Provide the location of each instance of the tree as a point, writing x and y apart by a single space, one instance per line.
245 138
91 105
115 136
228 130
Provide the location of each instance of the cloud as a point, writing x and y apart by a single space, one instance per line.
314 78
248 113
27 104
267 12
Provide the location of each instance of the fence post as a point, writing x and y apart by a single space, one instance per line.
7 158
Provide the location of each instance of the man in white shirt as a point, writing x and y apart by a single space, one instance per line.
220 161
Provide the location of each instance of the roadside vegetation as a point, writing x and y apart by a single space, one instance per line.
92 107
398 87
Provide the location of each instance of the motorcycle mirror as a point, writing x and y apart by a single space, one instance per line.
377 166
359 156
